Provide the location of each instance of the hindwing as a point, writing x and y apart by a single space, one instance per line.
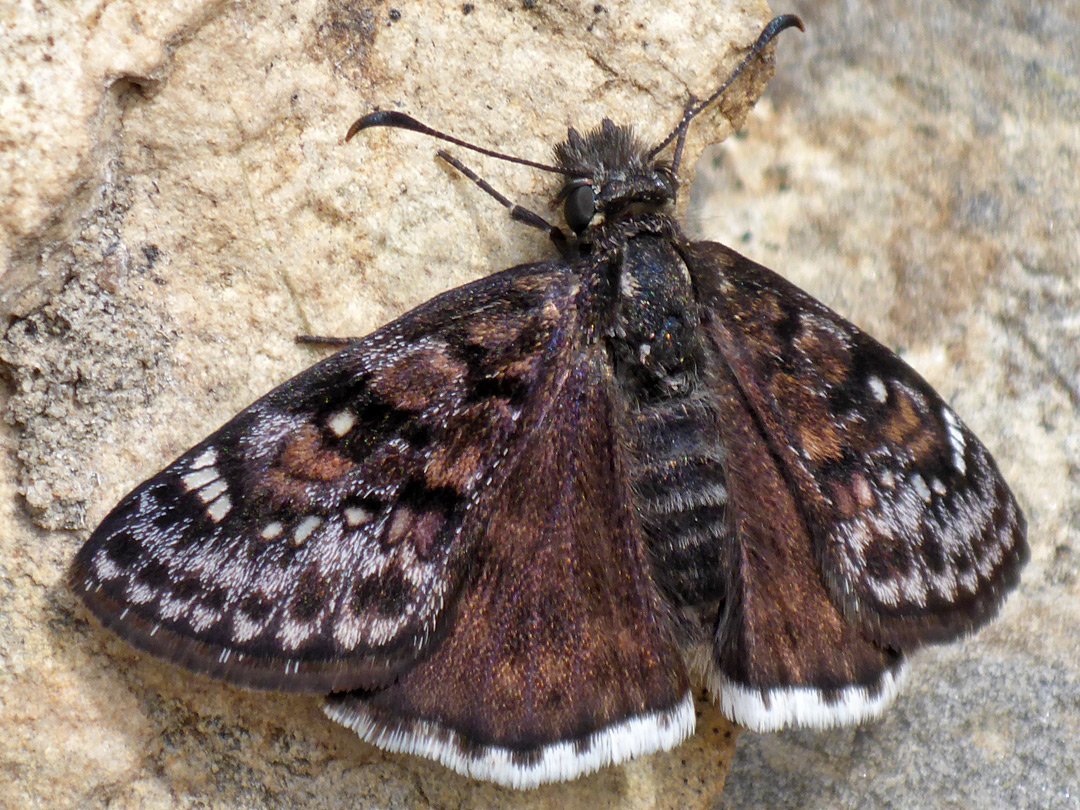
559 657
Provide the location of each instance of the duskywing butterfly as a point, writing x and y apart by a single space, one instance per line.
509 530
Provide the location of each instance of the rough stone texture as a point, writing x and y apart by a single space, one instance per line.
915 166
177 204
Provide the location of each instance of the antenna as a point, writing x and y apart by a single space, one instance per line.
775 26
390 118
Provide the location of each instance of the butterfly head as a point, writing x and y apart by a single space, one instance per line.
610 172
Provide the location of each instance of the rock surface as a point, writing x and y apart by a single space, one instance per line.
179 205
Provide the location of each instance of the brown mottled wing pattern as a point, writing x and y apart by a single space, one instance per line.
914 531
315 541
559 657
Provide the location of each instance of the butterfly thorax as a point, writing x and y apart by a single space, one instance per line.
657 320
644 289
617 202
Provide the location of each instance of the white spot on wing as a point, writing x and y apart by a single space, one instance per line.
271 530
292 634
304 529
877 389
244 629
341 422
202 618
200 478
400 522
418 573
210 492
382 630
887 590
219 508
204 459
956 440
969 581
104 567
357 516
171 609
644 734
862 491
140 594
351 630
920 487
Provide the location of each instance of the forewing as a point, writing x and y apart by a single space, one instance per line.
917 535
314 541
559 658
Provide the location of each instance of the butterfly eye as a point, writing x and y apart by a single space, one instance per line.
580 207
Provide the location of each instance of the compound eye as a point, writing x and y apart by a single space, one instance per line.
580 207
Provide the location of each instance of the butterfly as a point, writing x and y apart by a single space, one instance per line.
511 530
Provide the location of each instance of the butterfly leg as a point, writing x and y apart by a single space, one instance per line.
323 340
517 212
